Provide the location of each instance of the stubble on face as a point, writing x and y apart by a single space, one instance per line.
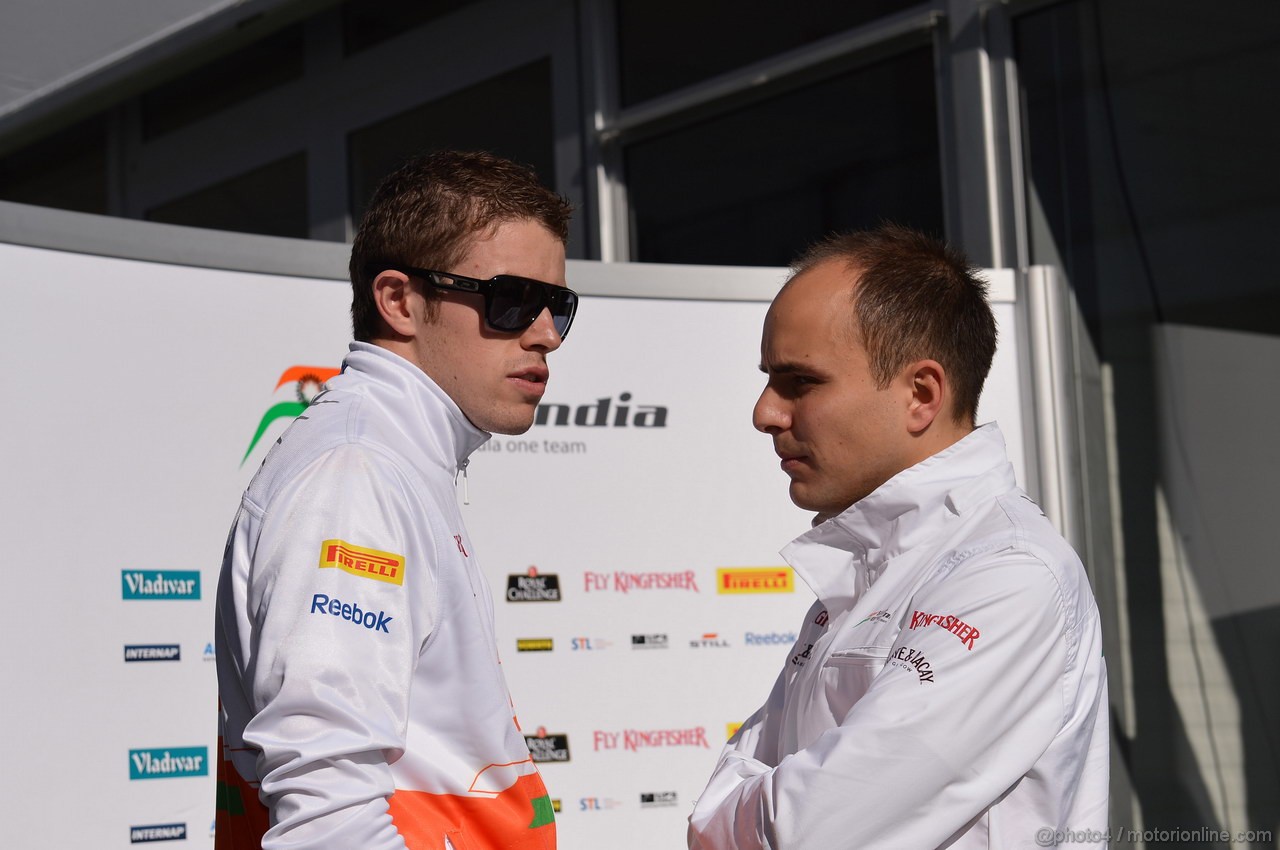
497 379
838 435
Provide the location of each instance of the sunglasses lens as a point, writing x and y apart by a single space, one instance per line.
563 305
515 303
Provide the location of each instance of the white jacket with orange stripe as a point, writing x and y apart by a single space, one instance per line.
947 689
362 701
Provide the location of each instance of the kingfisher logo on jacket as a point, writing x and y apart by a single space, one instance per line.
160 584
169 763
362 562
962 630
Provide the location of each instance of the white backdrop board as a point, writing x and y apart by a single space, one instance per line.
133 393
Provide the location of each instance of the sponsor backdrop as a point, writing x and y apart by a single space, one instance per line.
630 537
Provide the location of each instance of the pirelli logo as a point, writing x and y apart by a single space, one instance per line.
755 580
366 563
534 645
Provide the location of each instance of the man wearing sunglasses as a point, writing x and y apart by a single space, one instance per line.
362 700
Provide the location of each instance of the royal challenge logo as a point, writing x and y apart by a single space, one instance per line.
548 747
533 586
160 584
307 383
169 763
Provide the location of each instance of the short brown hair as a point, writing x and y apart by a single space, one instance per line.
917 298
425 213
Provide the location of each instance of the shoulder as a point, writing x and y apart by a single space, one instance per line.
1013 563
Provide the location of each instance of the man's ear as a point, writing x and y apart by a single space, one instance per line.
929 394
392 293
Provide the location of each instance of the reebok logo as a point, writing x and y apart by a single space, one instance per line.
323 604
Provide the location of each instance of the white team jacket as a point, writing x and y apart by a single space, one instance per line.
362 702
948 687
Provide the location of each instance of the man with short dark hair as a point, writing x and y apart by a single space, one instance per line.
948 687
362 701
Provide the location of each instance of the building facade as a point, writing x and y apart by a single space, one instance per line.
1129 144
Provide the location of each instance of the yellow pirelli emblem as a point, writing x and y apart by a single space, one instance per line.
359 561
755 580
731 729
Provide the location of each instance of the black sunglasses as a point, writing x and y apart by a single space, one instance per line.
511 303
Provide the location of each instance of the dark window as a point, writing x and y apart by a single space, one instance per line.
1151 145
669 44
1152 154
369 22
225 81
756 186
271 200
67 170
509 115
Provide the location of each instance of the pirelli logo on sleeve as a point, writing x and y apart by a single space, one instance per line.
359 561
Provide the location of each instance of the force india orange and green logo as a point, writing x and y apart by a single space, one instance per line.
309 383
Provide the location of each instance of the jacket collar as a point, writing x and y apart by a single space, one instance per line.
842 557
445 427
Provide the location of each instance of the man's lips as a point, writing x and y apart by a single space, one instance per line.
531 380
791 460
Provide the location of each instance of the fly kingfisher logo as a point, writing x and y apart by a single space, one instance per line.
755 580
634 740
308 383
160 584
169 763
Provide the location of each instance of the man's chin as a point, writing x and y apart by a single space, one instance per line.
512 427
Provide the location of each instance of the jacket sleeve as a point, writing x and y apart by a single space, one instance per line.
336 638
956 716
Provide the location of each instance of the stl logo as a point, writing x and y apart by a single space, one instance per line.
309 384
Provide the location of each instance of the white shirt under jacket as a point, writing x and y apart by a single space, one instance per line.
363 705
948 687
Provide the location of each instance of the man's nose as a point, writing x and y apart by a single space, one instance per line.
542 334
770 414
